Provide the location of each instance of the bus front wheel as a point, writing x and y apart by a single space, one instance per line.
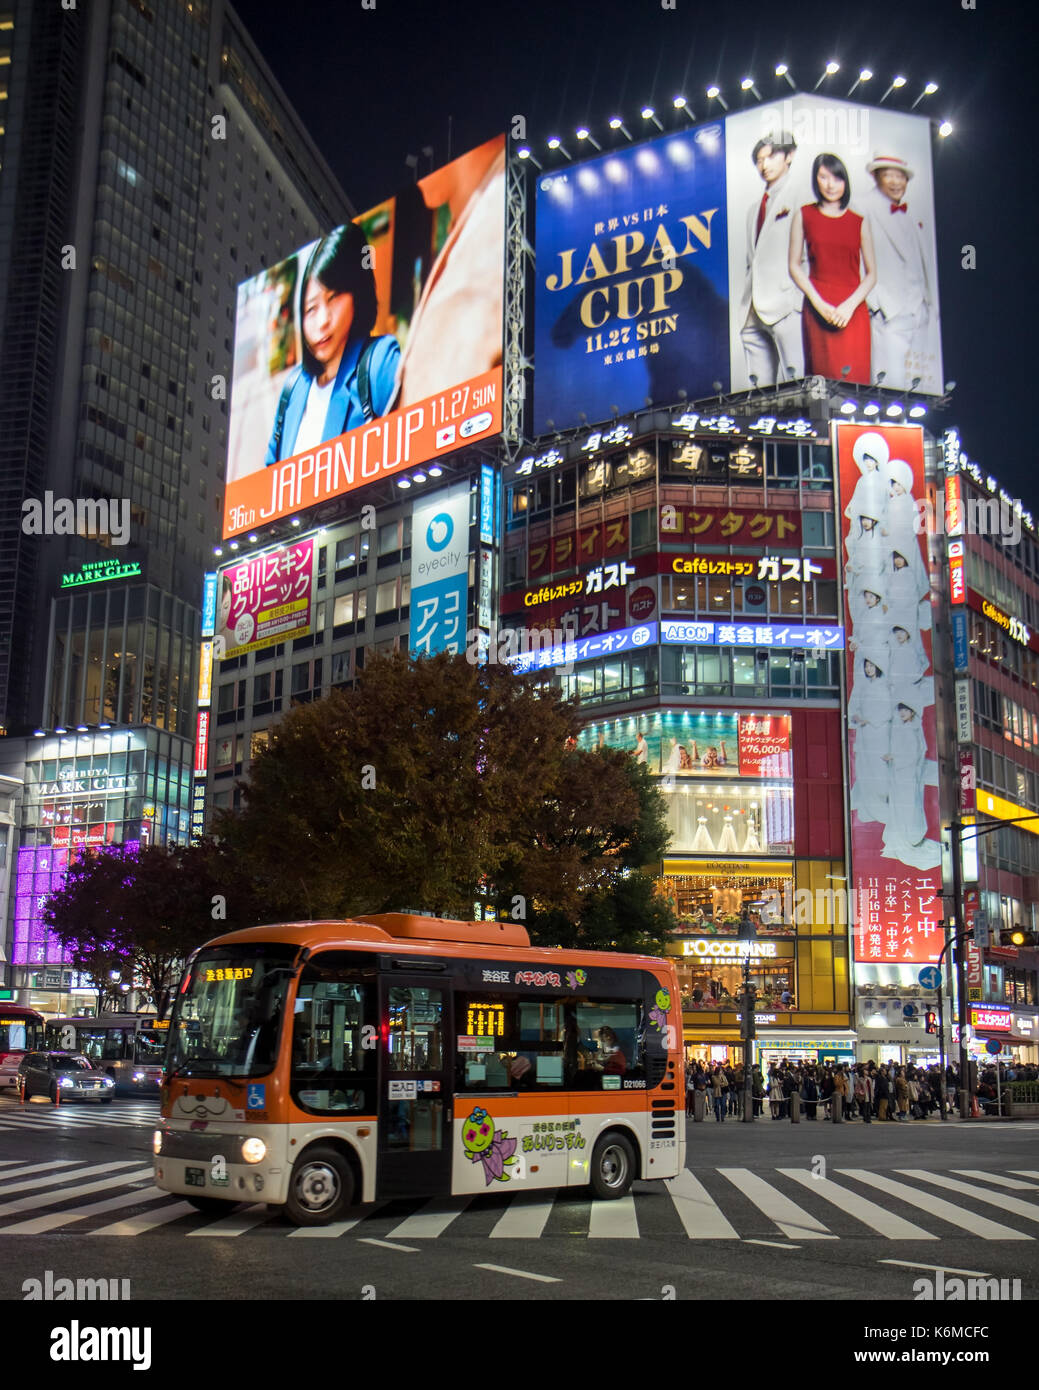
321 1187
613 1166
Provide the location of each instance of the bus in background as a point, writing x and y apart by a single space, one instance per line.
129 1047
21 1031
332 1063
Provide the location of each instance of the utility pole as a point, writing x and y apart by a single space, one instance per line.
959 936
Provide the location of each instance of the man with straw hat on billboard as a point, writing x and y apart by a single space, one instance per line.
901 301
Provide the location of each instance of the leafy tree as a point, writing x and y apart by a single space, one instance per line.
438 782
140 912
86 915
402 794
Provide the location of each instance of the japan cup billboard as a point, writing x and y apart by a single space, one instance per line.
374 349
892 723
791 240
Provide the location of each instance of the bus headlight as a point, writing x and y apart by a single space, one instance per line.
254 1150
157 1143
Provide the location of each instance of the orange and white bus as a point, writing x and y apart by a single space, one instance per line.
322 1064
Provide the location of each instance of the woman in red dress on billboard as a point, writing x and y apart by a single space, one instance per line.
835 322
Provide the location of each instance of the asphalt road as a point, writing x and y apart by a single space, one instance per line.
771 1211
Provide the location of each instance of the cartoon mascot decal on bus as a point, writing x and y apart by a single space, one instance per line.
483 1144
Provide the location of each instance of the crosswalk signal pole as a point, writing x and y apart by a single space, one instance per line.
748 1043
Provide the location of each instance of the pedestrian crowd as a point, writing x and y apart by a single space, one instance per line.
868 1090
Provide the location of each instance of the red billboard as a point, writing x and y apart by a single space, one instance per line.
372 350
893 768
764 743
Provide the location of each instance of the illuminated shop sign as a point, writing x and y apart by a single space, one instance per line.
953 506
587 648
708 634
730 950
209 604
98 571
201 743
769 568
723 525
205 673
765 426
595 581
1013 626
957 579
990 1018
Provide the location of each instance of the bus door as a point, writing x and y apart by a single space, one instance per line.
415 1096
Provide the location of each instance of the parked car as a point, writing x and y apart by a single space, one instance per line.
68 1074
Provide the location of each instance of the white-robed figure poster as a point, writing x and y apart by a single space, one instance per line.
871 454
869 719
908 770
871 623
906 605
902 521
907 660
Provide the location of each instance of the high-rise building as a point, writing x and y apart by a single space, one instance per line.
149 162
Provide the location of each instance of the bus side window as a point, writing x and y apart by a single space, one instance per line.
112 1049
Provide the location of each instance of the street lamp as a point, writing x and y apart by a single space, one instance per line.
959 833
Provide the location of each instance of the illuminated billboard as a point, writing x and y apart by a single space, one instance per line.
264 599
893 767
375 349
794 239
837 190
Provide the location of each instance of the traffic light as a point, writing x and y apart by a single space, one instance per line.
931 1019
1017 936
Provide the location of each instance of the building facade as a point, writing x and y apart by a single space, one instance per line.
149 162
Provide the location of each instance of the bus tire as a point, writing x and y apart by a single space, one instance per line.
210 1206
321 1187
613 1166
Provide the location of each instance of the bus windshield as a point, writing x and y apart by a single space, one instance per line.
20 1034
227 1019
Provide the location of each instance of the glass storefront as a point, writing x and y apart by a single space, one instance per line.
711 897
710 974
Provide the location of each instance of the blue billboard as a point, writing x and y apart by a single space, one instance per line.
632 279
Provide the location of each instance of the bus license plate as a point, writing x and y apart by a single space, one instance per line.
195 1177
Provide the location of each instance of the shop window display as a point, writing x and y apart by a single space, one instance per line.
714 900
724 818
718 985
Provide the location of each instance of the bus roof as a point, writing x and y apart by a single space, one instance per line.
420 936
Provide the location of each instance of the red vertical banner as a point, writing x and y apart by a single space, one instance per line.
893 767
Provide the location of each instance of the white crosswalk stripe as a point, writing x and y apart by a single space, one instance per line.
791 1219
433 1220
790 1204
133 1115
955 1215
884 1222
701 1216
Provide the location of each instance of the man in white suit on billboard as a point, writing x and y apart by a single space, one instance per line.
770 309
900 305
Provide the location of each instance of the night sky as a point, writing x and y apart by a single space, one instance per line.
373 86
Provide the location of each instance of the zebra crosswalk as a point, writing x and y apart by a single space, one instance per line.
767 1206
123 1114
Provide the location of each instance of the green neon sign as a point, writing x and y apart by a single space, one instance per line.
98 571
